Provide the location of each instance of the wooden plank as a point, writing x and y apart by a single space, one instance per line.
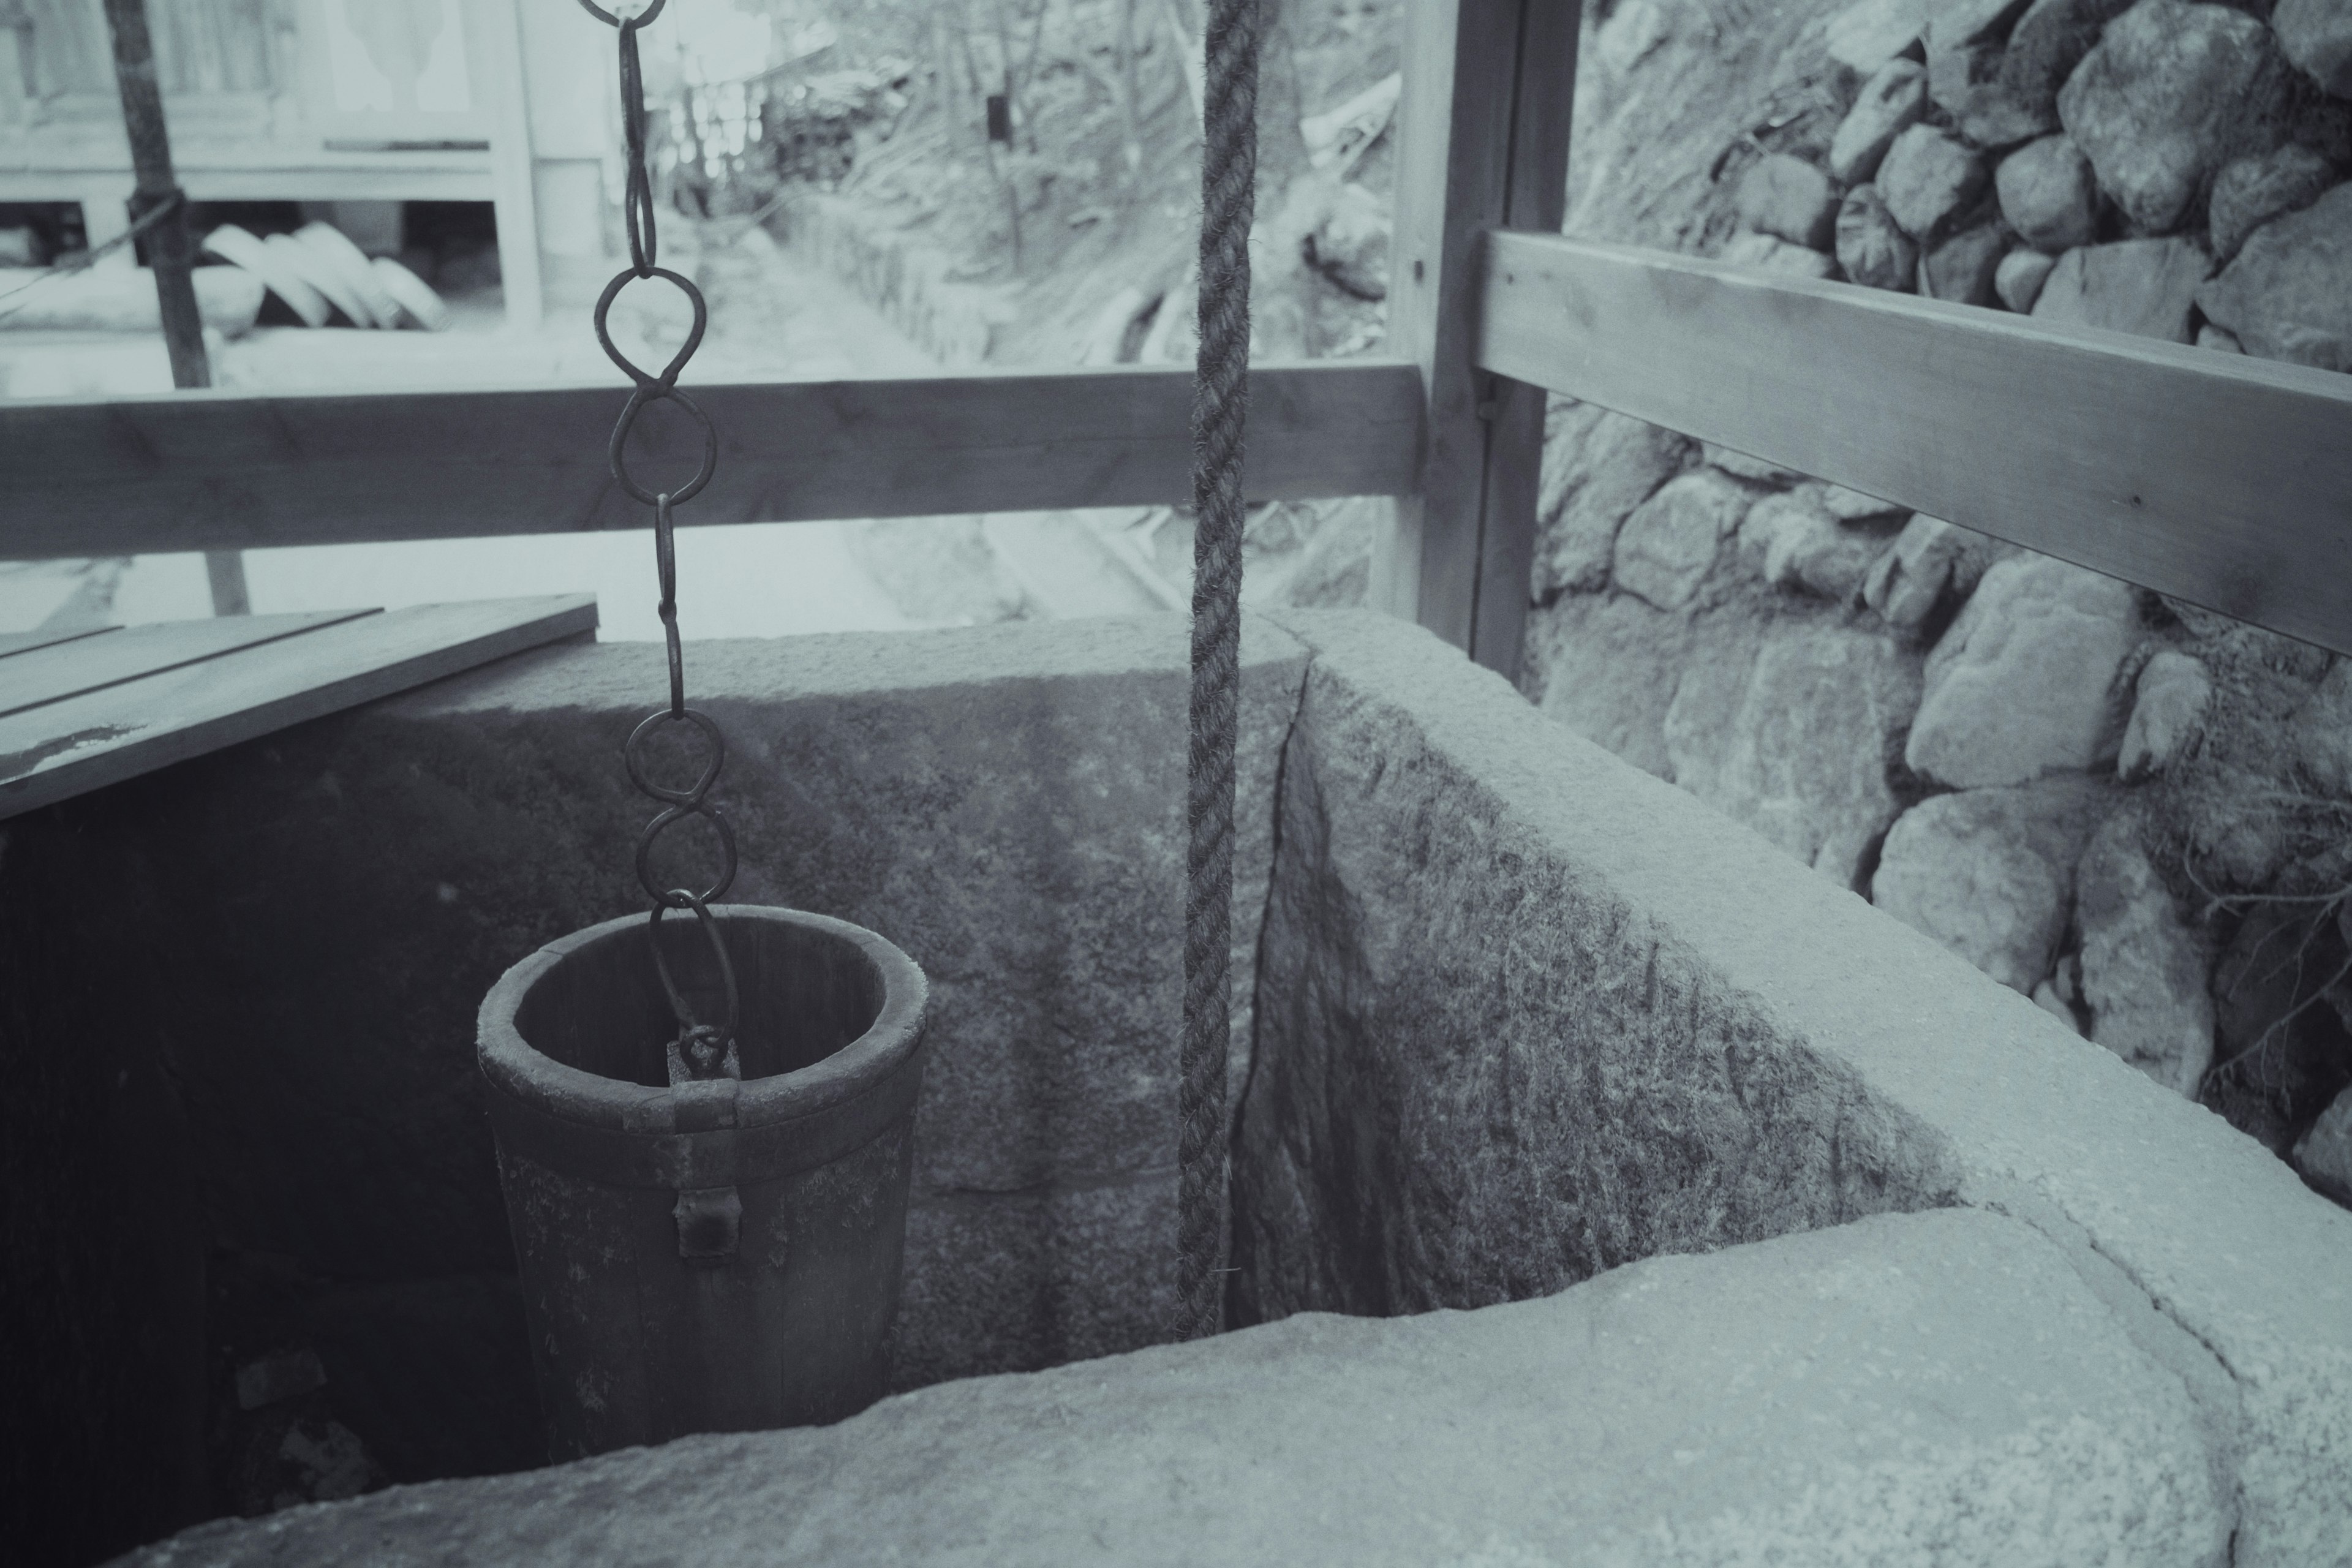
1471 157
218 469
53 752
26 642
2217 478
1536 198
69 670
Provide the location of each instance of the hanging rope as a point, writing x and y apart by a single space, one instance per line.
1220 403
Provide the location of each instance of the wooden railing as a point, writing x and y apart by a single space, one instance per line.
225 471
2221 481
2215 477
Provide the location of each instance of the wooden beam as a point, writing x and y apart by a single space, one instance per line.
221 470
2217 478
1482 130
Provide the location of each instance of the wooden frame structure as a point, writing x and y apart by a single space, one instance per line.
2222 480
277 143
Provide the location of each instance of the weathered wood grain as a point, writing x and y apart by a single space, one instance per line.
70 668
2217 478
1483 140
26 642
213 470
63 749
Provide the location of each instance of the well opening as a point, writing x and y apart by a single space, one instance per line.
600 1007
1510 1014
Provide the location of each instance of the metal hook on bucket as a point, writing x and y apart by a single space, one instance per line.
701 1050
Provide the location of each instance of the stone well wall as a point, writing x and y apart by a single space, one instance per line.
1526 1013
245 1139
2133 810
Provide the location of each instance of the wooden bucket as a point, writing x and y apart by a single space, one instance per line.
721 1256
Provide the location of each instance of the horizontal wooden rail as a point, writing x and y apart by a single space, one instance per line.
2223 480
227 470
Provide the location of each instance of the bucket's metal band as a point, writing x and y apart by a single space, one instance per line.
675 1137
703 1050
688 1140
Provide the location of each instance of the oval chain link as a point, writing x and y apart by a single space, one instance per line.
701 1049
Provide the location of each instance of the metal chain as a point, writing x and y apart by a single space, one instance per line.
702 1050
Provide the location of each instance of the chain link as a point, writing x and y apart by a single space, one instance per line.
702 1050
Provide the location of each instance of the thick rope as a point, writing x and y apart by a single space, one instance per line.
1220 402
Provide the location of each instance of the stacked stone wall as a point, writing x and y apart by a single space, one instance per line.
2133 810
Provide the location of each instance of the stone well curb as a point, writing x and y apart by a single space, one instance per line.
2137 1347
2212 1255
1915 1388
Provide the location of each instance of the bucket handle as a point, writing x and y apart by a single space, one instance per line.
708 1050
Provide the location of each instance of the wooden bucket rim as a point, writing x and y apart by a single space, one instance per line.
521 1070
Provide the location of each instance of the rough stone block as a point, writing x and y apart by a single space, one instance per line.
1459 1101
2324 1154
1742 465
1607 668
1667 546
2322 735
1965 57
2145 972
1869 33
2253 190
2172 92
2168 706
1795 742
1890 103
1597 468
2284 296
1926 176
2049 194
1788 198
2024 681
1927 558
2144 287
1015 1281
1990 873
2218 1262
1934 1387
1872 247
2317 37
1793 540
2046 45
1961 269
1769 253
2021 278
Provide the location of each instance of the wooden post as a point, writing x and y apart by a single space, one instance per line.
1482 130
496 42
171 248
169 244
